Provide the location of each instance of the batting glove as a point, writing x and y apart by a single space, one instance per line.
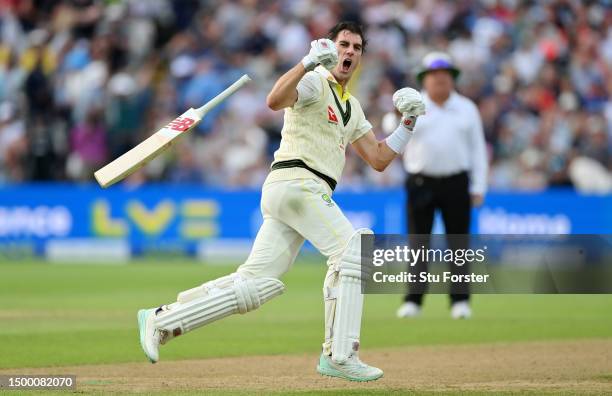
408 121
409 102
322 52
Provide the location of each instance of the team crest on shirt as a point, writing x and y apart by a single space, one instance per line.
327 200
331 116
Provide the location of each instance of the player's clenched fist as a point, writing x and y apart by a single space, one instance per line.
409 102
322 52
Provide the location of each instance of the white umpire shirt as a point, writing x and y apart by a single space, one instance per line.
447 140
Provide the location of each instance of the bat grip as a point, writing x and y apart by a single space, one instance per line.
223 95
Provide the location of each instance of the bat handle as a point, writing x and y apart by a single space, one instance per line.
223 95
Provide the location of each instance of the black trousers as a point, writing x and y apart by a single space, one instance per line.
450 195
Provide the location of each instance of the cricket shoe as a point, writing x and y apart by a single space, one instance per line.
353 369
409 309
149 335
461 310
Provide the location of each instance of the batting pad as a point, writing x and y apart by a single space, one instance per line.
349 301
215 300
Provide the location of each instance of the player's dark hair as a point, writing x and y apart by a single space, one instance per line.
352 27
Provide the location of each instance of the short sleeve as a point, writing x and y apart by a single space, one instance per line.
363 125
309 90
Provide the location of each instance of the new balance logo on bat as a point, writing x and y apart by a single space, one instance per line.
180 124
331 116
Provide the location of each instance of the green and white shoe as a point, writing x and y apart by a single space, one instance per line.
149 335
353 369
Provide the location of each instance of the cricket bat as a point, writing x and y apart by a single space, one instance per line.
150 148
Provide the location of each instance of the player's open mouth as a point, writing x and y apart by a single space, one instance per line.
346 65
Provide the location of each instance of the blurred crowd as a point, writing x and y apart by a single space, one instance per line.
82 81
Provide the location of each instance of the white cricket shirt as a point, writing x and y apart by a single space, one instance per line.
318 127
447 140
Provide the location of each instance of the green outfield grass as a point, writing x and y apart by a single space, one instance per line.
66 314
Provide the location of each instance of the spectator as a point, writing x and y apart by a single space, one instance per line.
12 144
88 146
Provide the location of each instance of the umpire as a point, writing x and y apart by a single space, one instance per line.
446 162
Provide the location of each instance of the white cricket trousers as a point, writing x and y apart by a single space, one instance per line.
295 210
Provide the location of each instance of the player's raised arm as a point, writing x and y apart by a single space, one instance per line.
284 93
379 154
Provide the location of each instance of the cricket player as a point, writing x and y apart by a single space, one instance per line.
321 119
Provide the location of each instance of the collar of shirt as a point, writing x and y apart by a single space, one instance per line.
452 103
344 95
